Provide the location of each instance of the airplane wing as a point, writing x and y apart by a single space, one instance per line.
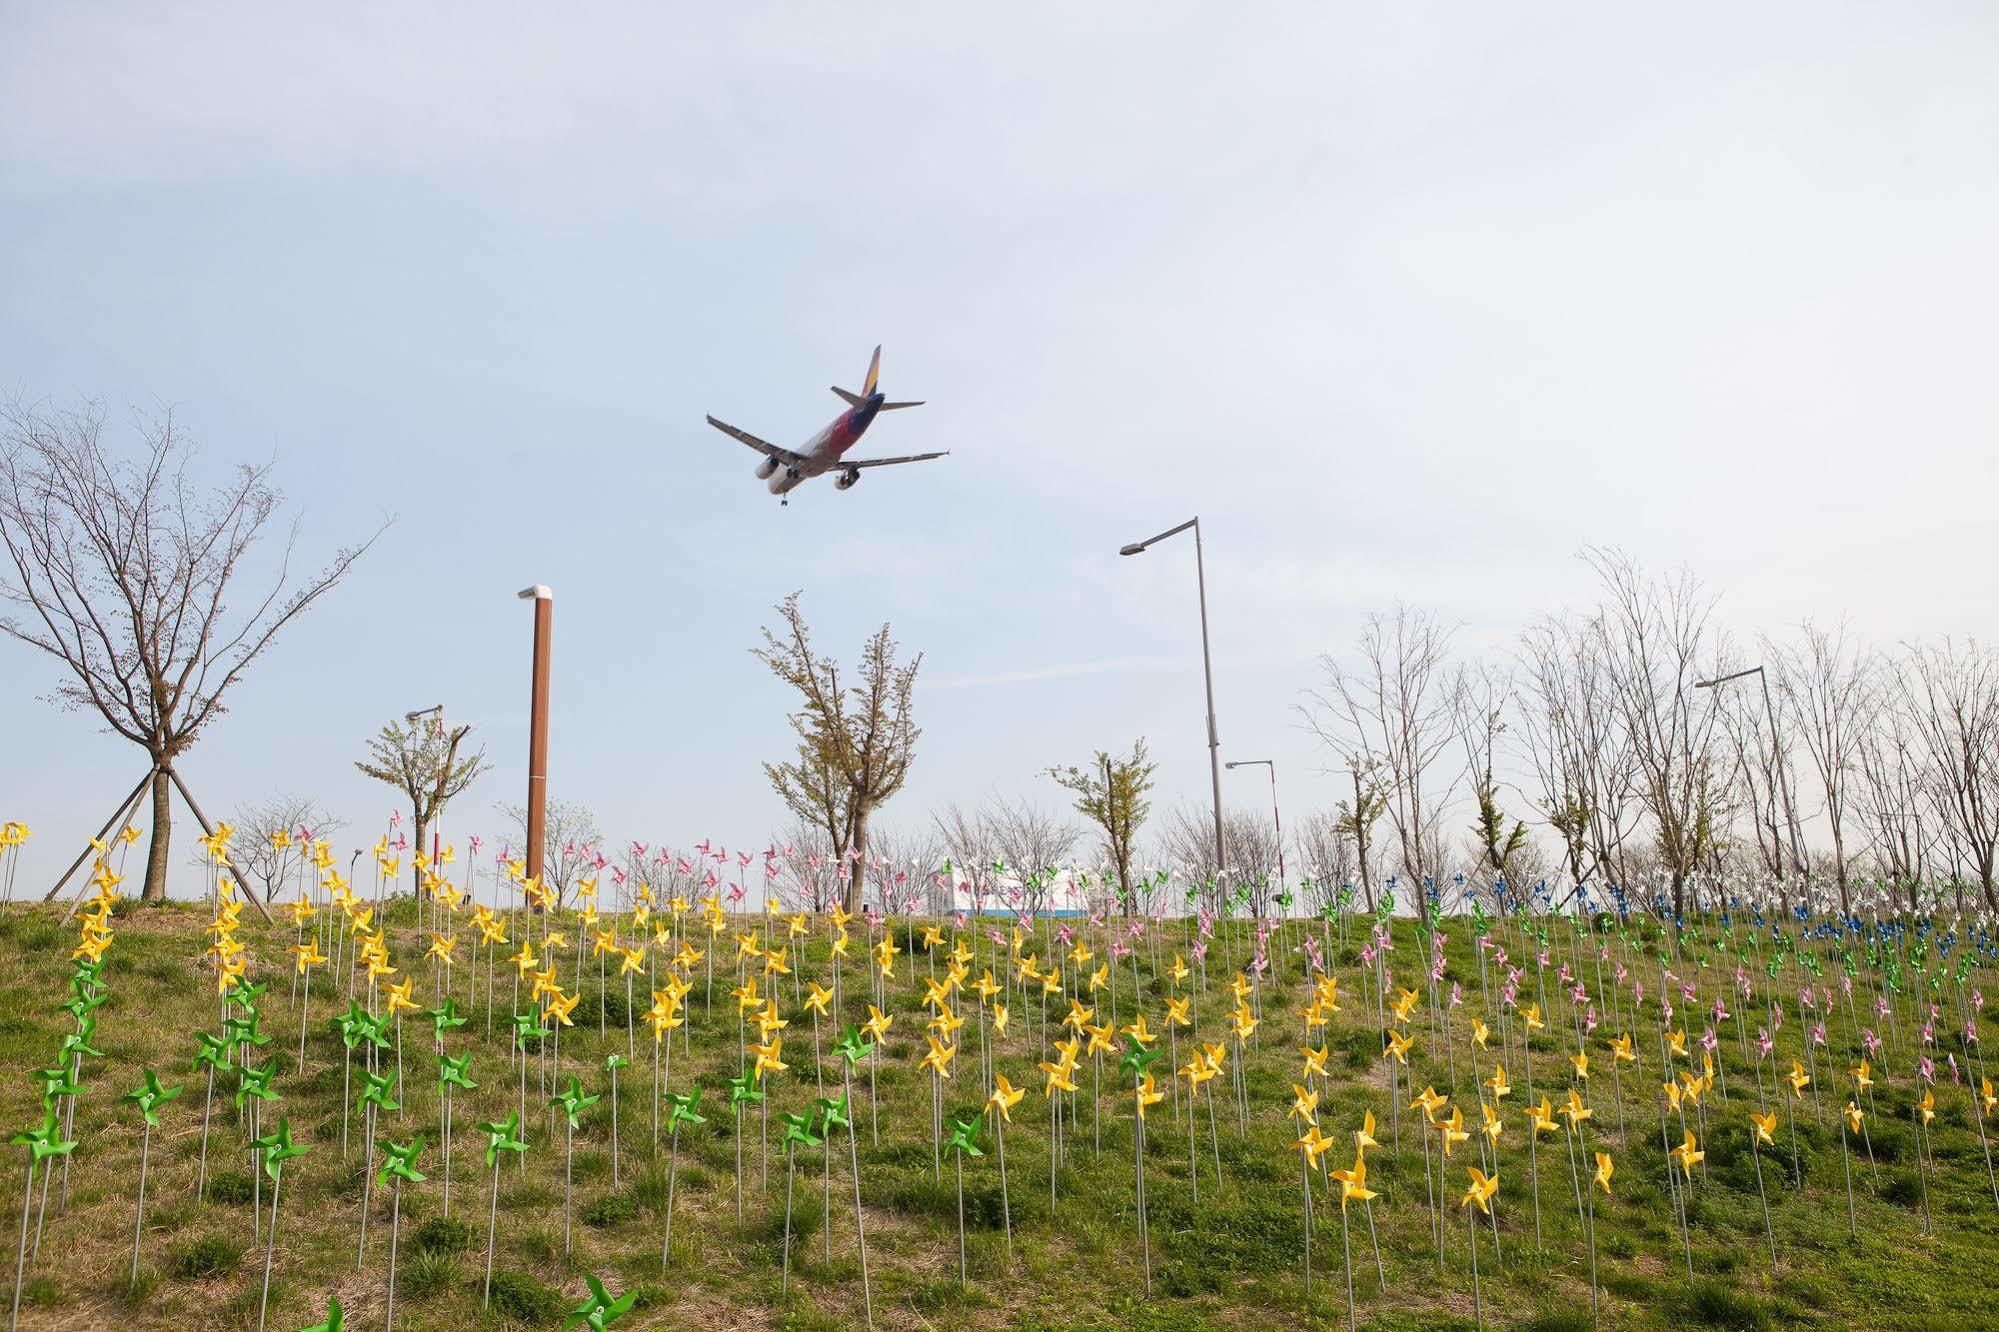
762 446
888 462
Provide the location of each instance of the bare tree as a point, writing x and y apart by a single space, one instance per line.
968 837
1033 843
1484 700
1653 635
1892 792
1391 710
900 866
1575 741
1112 794
1954 696
130 574
1327 845
420 759
274 838
1249 842
1828 690
856 742
569 842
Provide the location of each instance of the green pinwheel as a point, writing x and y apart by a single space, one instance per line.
527 1027
598 1310
852 1048
149 1098
335 1320
80 1003
245 1028
1136 1060
445 1017
963 1142
352 1024
245 995
353 1027
214 1055
376 1091
401 1167
276 1148
56 1085
833 1114
401 1163
743 1090
455 1072
256 1083
964 1137
500 1137
681 1109
42 1143
77 1043
797 1133
572 1101
452 1074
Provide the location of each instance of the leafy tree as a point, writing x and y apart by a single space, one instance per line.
420 759
855 741
1111 793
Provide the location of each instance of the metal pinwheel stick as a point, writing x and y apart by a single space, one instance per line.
149 1098
682 1111
275 1149
401 1166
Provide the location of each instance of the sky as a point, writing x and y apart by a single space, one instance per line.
1408 304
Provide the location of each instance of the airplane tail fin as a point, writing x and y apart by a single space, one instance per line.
868 388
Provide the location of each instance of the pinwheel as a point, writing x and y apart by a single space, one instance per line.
852 1050
743 1090
572 1101
598 1310
401 1166
964 1142
374 1098
1479 1194
452 1074
275 1149
353 1027
1000 1102
682 1109
1686 1156
938 1060
1136 1065
797 1133
612 1063
149 1098
42 1142
1759 1133
1353 1184
1600 1180
214 1054
500 1137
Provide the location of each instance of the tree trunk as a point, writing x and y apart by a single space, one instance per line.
421 846
157 850
857 878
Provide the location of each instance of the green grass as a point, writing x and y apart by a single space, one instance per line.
1229 1260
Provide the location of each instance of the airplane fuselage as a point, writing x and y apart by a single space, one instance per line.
821 454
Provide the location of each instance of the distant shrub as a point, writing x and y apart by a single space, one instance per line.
610 1210
427 1272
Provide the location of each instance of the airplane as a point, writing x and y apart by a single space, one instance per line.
825 452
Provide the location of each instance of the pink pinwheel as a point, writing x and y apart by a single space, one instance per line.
395 818
1688 993
1120 950
1870 1040
617 876
685 867
1928 1069
1978 998
1929 1034
1457 995
702 846
1720 1010
1436 971
1313 955
1709 1041
737 894
958 920
1763 1042
476 844
1257 966
1541 959
1200 950
1818 1034
639 850
401 843
1805 1000
1970 1034
1509 994
743 859
1367 955
1579 995
1589 1019
1064 935
1666 1005
1513 975
1563 974
1881 1005
1499 957
1954 1079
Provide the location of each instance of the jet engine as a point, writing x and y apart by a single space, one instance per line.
765 468
848 479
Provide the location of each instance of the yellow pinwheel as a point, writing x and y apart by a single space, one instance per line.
1481 1190
1501 1088
1004 1097
770 1057
1764 1125
1688 1155
1304 1104
1315 1060
1147 1093
938 1058
1353 1182
1398 1046
1798 1078
1604 1170
1363 1137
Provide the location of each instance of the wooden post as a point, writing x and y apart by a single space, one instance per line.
544 615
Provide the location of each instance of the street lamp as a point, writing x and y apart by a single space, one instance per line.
436 710
1207 668
1776 757
1275 818
544 616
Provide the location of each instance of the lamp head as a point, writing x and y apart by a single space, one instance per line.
1134 548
